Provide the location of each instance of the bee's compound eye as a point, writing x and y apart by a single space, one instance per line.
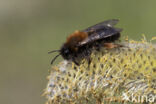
66 54
66 51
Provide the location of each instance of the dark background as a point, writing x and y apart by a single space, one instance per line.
31 28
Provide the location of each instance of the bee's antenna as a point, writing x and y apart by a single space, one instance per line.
55 58
53 51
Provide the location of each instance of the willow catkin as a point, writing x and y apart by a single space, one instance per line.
113 76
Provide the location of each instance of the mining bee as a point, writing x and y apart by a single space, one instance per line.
80 44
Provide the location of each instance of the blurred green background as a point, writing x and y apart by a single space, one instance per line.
31 28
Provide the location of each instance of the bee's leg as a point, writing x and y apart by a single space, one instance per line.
111 45
97 46
74 60
76 63
89 61
87 55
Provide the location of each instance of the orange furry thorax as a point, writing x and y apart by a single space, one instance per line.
75 38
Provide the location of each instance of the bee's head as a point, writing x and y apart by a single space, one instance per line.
65 52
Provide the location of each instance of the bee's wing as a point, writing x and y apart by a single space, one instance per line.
109 23
101 33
